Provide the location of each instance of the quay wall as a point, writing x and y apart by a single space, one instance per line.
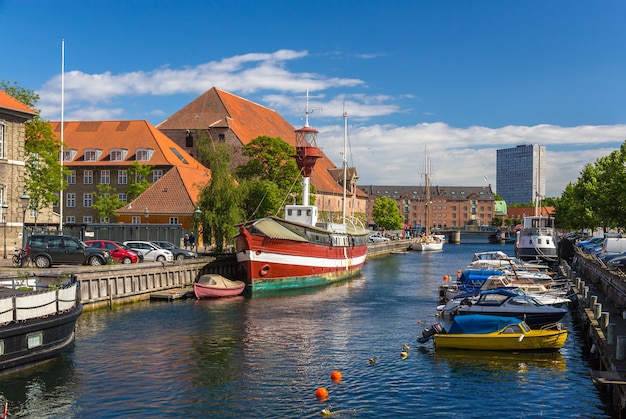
599 312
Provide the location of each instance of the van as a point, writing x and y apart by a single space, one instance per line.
614 245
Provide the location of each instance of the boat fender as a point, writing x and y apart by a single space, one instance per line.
264 270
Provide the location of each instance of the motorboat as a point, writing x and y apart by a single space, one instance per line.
451 307
506 302
536 240
495 333
214 286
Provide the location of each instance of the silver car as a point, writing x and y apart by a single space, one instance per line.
150 251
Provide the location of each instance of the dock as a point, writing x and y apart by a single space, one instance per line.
173 294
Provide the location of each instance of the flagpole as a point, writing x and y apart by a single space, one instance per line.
62 129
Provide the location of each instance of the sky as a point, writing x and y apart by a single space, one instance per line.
455 80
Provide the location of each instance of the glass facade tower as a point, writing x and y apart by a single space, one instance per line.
521 173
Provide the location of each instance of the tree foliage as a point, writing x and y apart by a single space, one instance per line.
386 214
137 180
45 177
106 200
220 199
597 199
271 162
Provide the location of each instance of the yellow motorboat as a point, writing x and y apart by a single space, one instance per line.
495 333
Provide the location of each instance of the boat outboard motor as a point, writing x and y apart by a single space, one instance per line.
430 332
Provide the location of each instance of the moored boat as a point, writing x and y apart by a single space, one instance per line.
36 325
297 251
536 240
504 302
427 242
215 286
495 333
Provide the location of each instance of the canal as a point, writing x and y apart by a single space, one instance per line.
265 357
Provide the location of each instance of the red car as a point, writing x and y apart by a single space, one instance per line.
119 252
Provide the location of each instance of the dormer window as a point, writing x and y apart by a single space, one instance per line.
144 154
69 154
118 154
92 154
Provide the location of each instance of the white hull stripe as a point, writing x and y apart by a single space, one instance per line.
267 257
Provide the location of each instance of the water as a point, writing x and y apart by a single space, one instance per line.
264 357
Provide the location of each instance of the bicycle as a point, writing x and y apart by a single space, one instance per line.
20 258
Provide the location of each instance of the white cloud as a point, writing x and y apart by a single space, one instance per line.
383 153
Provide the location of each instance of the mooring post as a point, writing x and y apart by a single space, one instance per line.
610 333
620 350
604 320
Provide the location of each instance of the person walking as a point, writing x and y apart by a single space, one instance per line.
186 241
192 241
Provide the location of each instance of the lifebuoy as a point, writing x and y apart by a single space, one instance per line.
264 270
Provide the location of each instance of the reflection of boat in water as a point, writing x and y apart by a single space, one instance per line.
503 361
36 325
298 251
494 333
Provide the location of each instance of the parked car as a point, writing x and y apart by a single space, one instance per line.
151 252
178 253
119 251
587 245
618 262
46 250
373 238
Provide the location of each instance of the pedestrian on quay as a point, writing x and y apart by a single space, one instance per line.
192 241
186 240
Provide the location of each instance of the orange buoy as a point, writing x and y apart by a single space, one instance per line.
446 277
336 376
321 393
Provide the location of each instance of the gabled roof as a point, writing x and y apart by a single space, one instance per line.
128 135
9 103
247 120
175 193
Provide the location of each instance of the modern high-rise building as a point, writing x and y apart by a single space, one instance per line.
521 173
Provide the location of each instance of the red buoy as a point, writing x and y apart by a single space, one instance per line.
321 393
336 376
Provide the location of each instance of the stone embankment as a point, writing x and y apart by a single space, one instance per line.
600 314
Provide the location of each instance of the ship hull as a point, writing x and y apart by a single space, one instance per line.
276 264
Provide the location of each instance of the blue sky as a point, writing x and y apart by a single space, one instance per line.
460 78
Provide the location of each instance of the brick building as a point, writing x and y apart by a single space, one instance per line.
451 206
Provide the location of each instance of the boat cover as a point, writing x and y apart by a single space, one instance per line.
480 323
274 230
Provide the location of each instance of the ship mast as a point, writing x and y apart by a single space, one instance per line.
345 163
307 153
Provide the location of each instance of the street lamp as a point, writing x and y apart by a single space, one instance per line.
196 215
146 212
4 223
25 198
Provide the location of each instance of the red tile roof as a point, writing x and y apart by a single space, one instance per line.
175 193
129 135
10 103
247 120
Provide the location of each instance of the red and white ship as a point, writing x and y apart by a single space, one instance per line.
278 254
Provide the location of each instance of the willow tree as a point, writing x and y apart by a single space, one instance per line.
219 200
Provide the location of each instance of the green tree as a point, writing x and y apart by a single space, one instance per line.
137 179
270 159
386 214
106 200
45 177
220 199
